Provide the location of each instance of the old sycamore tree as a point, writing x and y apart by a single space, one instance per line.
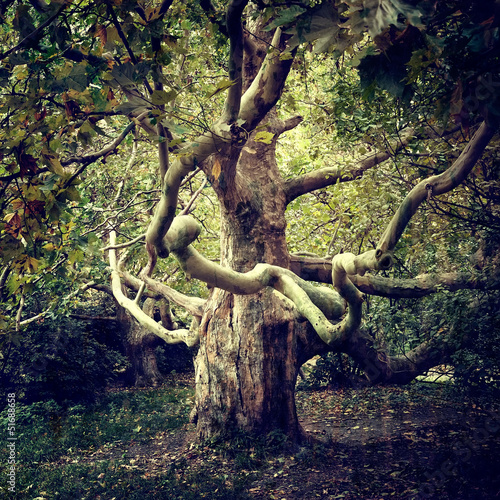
70 70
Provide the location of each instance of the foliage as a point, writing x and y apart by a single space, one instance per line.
175 358
332 370
64 360
477 365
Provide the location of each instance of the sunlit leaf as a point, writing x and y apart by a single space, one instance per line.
264 137
160 97
221 86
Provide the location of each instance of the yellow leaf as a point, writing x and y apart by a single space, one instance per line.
53 162
216 169
221 86
112 34
17 204
32 264
265 137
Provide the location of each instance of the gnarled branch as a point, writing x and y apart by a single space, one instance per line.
436 185
329 176
170 336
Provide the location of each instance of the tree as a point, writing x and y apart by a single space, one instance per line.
75 73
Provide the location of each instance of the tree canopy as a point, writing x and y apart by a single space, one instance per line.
369 127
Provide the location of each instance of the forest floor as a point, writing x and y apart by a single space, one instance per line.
373 443
370 443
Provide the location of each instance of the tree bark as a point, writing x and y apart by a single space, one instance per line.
247 364
140 346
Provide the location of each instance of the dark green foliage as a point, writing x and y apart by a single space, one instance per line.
333 369
477 362
64 360
175 358
466 321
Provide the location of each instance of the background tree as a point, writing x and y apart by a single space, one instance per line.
78 79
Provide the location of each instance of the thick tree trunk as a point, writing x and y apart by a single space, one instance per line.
247 364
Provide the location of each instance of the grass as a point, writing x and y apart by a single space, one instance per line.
130 445
56 447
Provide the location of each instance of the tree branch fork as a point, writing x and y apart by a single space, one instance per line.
321 306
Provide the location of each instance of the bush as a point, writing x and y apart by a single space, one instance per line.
63 360
331 369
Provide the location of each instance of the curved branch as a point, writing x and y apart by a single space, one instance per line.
92 157
268 85
35 33
424 284
435 185
381 368
289 124
235 32
255 103
317 304
169 336
345 265
320 270
329 176
126 244
193 305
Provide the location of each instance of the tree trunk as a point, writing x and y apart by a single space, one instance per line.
140 346
247 364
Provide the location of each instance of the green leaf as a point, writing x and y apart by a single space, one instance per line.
77 79
75 256
380 14
221 86
321 23
160 97
265 137
286 16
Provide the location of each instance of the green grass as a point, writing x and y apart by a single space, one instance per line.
124 447
115 480
54 444
47 431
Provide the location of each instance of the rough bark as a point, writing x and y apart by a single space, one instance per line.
140 345
247 366
248 360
